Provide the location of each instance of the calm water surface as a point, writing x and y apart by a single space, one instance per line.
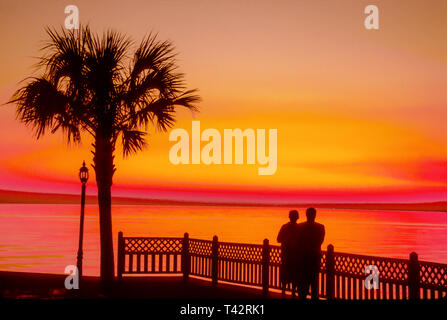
44 238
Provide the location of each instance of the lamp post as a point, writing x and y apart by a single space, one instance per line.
83 176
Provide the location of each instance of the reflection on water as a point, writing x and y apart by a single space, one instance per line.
44 238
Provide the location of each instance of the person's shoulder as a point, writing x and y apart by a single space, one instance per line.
319 225
285 225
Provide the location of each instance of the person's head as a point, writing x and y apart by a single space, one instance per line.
311 214
293 216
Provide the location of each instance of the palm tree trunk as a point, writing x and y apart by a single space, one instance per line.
104 169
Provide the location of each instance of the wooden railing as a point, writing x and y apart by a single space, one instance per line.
342 275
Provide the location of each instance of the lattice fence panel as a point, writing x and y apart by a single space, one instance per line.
152 245
240 252
275 255
433 274
354 265
323 261
200 247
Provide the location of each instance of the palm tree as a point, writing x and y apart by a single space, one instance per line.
95 85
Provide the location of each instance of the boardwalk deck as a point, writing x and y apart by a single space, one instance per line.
43 285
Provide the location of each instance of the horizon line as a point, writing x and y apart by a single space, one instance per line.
31 197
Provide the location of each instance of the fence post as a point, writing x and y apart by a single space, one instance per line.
121 256
265 266
413 276
214 261
186 261
330 272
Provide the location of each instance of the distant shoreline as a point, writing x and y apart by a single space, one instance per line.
19 197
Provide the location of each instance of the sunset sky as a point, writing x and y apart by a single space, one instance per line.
361 114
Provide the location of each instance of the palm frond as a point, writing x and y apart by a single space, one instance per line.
133 141
188 99
38 103
154 87
64 55
151 55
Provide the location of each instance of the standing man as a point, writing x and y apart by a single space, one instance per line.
287 236
310 237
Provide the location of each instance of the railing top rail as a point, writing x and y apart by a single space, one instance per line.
152 238
241 244
368 257
201 240
434 264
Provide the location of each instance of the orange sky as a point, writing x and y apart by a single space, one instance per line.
360 114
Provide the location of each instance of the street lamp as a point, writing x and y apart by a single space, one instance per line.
83 176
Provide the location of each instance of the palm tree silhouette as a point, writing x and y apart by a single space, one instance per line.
92 84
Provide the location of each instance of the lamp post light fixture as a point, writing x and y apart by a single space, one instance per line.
83 176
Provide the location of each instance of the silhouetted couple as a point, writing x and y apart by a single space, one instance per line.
301 253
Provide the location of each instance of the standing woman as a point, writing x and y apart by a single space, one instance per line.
287 236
